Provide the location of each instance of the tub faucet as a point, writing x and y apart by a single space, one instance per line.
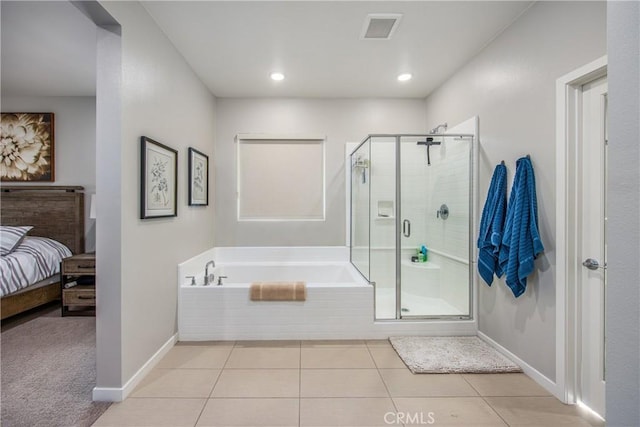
209 278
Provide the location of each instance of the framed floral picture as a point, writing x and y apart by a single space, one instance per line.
27 148
159 180
198 178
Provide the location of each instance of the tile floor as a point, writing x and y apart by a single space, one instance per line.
326 383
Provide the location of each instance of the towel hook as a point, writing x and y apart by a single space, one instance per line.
502 162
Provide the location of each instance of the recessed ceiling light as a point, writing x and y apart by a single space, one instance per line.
277 76
404 77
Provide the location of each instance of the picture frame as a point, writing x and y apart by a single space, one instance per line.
198 178
29 153
158 180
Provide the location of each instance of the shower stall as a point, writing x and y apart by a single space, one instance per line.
412 222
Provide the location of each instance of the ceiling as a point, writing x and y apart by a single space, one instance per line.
234 46
48 48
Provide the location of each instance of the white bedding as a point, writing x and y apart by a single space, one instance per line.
35 259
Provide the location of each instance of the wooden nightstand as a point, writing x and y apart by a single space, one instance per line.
78 299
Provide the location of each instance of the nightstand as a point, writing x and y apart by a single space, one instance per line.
77 280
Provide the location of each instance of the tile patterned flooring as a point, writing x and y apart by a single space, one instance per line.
327 383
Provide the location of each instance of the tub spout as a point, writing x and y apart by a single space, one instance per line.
209 278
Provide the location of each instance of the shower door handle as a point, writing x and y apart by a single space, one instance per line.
406 228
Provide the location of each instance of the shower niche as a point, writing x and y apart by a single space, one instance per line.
411 223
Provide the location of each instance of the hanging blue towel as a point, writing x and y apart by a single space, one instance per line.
521 241
491 225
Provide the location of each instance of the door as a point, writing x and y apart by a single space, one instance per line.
593 277
434 232
415 295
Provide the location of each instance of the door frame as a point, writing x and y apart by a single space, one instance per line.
568 137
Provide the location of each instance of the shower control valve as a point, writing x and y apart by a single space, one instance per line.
443 212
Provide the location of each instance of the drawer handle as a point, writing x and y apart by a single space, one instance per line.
85 266
85 297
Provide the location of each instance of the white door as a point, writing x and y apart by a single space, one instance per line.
593 246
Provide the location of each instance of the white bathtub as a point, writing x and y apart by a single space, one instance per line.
339 301
316 274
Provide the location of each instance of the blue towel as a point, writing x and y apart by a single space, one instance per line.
491 225
521 242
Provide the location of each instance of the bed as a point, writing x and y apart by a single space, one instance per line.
56 212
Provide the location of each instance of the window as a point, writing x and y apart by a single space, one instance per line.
281 178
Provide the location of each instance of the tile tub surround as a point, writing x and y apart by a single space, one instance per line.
339 301
292 383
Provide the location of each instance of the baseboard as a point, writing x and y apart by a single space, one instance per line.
115 394
538 377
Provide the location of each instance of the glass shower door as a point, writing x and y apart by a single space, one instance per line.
360 208
433 240
383 225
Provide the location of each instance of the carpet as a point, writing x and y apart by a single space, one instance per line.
444 355
48 373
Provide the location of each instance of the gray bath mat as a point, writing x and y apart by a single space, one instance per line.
444 355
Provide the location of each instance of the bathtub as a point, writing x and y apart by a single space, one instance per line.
314 274
339 302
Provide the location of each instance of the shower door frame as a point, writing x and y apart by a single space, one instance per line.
367 278
398 225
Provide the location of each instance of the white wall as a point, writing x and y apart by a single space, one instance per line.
75 143
623 274
340 120
109 206
163 99
510 85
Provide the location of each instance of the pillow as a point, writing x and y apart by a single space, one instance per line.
10 237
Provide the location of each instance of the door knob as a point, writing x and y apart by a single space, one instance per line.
593 264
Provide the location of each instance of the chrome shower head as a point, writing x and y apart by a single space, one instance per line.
437 128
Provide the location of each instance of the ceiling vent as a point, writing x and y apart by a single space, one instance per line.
380 26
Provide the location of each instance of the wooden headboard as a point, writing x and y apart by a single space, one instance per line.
56 212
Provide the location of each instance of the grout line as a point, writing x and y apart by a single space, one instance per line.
289 397
494 410
393 402
471 385
300 385
278 369
381 378
201 397
222 369
201 411
483 399
215 382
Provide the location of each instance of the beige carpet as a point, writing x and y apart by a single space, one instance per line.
48 373
443 355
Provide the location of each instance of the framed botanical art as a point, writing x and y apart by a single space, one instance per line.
159 180
27 152
198 178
